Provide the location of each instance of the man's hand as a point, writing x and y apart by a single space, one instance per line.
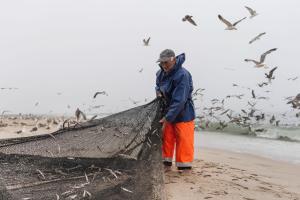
163 121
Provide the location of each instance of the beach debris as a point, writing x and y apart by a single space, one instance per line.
41 174
126 190
112 172
86 194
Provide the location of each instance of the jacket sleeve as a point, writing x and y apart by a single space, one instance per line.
157 81
179 97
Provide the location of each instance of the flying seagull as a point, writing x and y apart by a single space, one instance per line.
141 70
189 19
146 42
97 93
229 25
257 37
293 79
260 63
262 84
295 101
270 75
252 12
253 94
133 101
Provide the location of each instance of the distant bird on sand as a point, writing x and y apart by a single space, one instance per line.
189 19
34 129
270 75
229 25
261 63
257 37
252 12
79 113
146 41
97 93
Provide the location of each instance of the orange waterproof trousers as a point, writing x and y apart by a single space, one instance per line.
180 136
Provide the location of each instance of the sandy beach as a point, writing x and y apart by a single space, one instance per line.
14 126
219 174
216 174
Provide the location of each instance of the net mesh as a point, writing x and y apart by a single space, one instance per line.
109 158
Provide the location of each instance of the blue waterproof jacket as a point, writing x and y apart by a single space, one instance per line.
176 87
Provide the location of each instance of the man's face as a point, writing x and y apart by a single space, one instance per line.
167 65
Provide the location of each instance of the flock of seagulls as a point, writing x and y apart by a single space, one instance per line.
253 115
217 104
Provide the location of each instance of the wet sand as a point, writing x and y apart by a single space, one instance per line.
219 174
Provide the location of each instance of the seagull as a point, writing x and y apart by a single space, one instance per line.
251 11
257 37
146 42
189 19
102 92
198 92
293 79
229 25
262 84
36 104
260 63
295 101
272 119
133 101
79 113
270 75
141 70
253 94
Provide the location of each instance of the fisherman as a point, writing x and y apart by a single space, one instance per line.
174 85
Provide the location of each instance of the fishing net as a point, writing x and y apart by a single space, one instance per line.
116 157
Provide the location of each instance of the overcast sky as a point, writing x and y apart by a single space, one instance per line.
77 47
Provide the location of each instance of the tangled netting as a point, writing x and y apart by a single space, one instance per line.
116 157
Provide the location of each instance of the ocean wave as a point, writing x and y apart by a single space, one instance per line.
290 134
